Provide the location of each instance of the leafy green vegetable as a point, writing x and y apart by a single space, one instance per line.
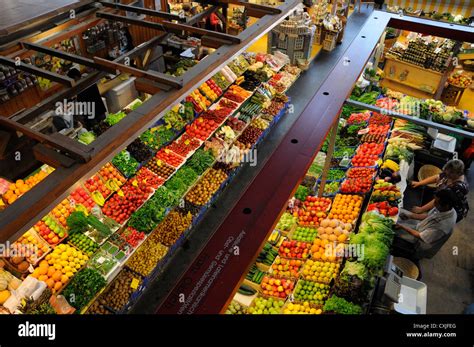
302 193
157 137
83 287
165 197
114 118
187 175
77 222
98 225
177 185
126 163
201 161
341 306
147 217
336 174
174 120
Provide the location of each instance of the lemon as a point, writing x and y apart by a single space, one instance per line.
78 266
48 257
64 256
69 274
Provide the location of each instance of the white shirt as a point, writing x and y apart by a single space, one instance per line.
436 225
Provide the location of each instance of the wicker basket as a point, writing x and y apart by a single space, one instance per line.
428 171
452 95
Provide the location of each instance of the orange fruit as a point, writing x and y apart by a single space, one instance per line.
44 263
50 283
43 278
64 278
51 271
57 276
43 270
57 285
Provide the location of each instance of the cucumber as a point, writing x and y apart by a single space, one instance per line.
245 290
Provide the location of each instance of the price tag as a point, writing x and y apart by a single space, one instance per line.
120 193
158 162
187 142
101 260
134 284
135 183
201 120
437 50
167 151
168 126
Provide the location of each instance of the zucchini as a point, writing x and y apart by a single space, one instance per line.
246 290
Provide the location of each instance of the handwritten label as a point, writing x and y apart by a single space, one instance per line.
158 162
135 183
187 142
167 151
120 193
168 126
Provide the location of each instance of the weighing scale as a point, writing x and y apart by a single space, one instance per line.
395 293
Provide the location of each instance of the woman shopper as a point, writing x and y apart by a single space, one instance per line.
452 178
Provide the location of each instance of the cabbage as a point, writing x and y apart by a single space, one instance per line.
375 255
355 269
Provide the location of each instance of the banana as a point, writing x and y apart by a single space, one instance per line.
98 198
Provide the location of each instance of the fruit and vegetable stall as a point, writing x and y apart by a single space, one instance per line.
114 233
326 250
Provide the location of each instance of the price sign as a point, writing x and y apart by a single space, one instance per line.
134 284
158 162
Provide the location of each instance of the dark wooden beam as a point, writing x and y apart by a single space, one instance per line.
217 35
63 143
142 48
52 76
169 26
51 157
61 54
48 103
147 86
250 6
146 11
152 75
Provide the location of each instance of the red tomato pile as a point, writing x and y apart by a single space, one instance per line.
277 287
132 236
184 145
201 128
384 208
217 115
356 185
370 148
362 159
358 118
357 172
379 129
380 119
121 205
317 204
169 157
145 177
228 103
294 249
80 196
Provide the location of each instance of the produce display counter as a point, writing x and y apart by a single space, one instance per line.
118 226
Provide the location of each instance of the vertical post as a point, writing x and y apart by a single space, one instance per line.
327 163
225 12
334 7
